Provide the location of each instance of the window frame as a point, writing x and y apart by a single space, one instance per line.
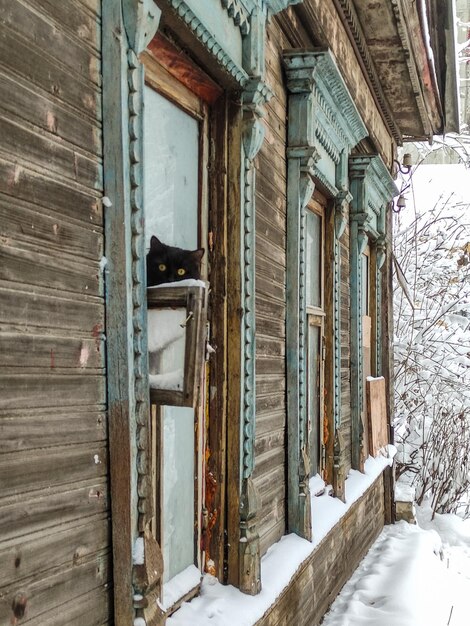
316 316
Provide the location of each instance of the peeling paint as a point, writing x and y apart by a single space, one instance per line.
84 354
52 123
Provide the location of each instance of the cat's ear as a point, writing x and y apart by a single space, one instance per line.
155 243
198 254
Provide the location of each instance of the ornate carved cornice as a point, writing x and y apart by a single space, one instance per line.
373 189
239 14
209 41
276 6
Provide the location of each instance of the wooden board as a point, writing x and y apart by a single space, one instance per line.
376 415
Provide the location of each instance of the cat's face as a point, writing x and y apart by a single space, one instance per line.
166 264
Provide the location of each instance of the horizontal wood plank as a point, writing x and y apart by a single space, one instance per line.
42 390
52 466
49 155
94 608
70 544
44 191
21 59
63 585
74 18
49 115
51 352
31 267
50 508
24 224
24 311
42 429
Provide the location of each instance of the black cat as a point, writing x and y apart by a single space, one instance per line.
167 264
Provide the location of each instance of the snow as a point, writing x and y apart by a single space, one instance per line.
411 576
139 621
172 380
180 585
164 328
404 492
188 282
222 605
138 552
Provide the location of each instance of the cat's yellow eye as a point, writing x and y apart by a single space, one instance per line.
162 267
181 272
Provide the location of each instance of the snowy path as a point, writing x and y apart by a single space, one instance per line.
410 577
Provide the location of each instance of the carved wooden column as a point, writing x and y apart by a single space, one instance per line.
372 188
342 200
128 26
255 94
301 157
252 138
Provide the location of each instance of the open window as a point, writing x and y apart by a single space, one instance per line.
176 139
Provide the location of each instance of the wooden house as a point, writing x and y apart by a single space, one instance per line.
265 132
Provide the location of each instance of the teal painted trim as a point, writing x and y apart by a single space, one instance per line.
126 343
248 298
252 138
135 79
210 42
341 208
301 159
239 13
378 188
372 189
358 242
141 19
276 6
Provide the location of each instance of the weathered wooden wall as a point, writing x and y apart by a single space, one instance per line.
54 526
270 469
321 577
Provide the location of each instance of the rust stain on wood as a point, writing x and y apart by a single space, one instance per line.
182 68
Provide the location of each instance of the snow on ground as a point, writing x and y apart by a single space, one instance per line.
224 605
411 576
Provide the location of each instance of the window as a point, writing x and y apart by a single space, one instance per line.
175 200
315 308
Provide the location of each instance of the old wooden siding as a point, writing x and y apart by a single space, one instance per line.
270 470
320 578
54 525
345 302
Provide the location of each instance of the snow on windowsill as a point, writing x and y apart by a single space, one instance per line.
220 605
173 381
189 282
138 553
179 586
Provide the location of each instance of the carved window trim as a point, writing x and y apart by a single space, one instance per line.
324 126
372 189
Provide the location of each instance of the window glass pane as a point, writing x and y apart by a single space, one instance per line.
166 343
313 259
171 196
171 172
314 395
178 489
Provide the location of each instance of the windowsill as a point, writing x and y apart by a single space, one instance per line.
220 605
177 589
